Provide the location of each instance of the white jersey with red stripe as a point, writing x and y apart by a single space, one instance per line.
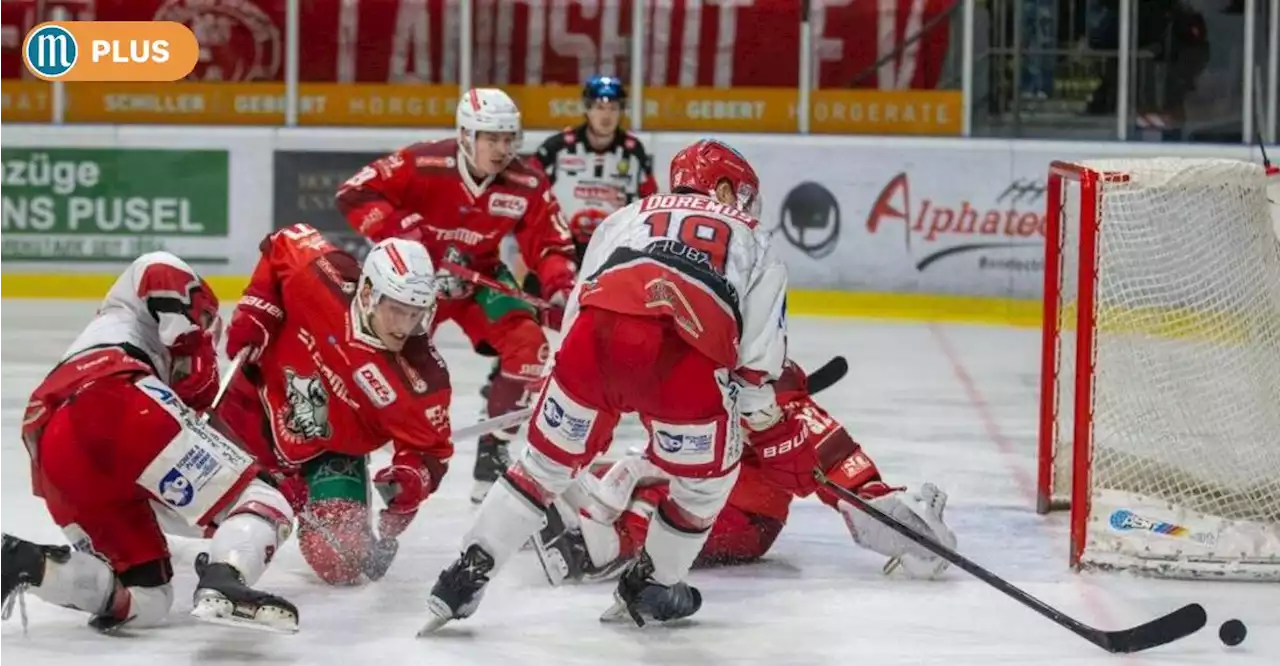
147 309
707 266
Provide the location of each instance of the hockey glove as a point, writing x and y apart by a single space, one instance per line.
404 486
195 369
804 439
254 323
556 275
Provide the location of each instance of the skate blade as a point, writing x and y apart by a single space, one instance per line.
267 619
479 490
552 561
436 619
620 612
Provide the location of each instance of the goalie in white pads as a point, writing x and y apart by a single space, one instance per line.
121 456
603 525
681 319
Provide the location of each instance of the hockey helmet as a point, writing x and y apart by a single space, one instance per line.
400 270
603 87
487 110
702 165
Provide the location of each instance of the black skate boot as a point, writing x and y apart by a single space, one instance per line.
639 596
22 565
492 461
458 591
222 598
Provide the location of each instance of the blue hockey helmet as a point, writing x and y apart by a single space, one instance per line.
603 87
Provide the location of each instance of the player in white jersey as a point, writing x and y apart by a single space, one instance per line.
121 456
681 318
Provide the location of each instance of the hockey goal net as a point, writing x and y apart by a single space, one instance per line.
1160 377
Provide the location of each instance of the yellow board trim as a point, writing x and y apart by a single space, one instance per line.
863 305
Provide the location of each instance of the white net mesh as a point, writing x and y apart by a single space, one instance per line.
1185 470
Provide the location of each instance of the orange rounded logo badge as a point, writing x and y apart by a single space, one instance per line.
110 51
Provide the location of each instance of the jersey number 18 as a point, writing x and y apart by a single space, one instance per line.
700 232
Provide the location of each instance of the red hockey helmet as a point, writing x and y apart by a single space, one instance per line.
702 165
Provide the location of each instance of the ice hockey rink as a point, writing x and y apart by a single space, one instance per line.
952 404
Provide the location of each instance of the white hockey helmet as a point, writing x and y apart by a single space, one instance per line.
401 270
486 110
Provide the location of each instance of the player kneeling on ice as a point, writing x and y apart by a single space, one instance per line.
777 467
681 318
121 457
340 363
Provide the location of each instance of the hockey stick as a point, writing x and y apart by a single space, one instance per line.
384 550
480 279
1165 629
831 372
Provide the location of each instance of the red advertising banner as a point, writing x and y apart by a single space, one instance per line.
709 65
689 43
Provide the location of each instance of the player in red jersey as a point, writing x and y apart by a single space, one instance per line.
121 457
338 364
613 512
680 318
460 197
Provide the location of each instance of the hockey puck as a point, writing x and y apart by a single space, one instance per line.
1232 632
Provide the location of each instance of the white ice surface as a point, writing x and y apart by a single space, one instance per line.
951 404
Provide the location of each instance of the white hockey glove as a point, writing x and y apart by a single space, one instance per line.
922 512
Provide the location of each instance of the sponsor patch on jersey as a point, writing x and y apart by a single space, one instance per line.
570 164
375 385
563 421
603 193
388 165
507 205
436 161
521 179
437 416
685 444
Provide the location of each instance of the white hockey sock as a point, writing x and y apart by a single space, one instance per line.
672 550
698 501
507 519
256 525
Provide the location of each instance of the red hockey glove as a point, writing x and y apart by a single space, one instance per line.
194 376
404 485
804 439
253 324
556 275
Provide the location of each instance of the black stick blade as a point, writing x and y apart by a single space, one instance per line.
1180 623
831 372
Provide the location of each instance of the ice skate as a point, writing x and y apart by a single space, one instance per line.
492 461
642 598
221 597
458 591
23 567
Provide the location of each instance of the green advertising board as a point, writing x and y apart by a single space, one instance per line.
106 205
